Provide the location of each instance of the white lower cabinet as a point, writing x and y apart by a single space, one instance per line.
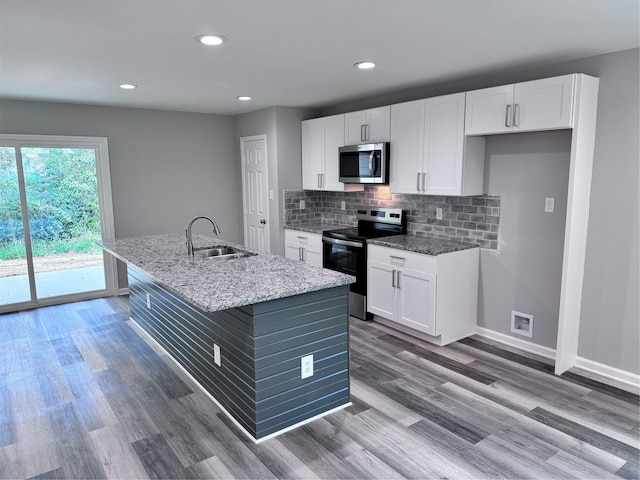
434 297
303 246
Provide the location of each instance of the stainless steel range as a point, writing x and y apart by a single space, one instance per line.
344 249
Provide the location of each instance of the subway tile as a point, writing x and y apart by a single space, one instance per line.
468 219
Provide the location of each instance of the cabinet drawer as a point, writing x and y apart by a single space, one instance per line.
303 238
403 258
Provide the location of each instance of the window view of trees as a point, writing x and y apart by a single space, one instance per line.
62 201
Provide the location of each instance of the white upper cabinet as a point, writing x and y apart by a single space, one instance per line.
321 138
428 149
545 104
367 126
312 153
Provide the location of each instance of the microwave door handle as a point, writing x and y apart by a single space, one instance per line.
371 163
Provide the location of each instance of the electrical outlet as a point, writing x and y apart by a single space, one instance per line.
302 205
343 205
149 301
306 366
549 205
438 214
216 354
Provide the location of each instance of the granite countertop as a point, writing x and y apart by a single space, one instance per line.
316 227
213 285
426 245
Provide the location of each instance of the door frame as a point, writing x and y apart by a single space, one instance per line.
245 226
105 203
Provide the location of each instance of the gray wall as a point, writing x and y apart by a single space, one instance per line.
609 325
525 273
166 167
282 127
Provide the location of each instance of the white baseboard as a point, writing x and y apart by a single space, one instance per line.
517 343
614 375
622 376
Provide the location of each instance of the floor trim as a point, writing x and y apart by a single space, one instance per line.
612 374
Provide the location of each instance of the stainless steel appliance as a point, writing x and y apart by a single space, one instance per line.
367 163
345 249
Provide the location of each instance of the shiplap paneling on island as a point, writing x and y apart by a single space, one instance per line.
258 381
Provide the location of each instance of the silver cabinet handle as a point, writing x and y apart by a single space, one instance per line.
424 181
398 279
301 237
304 258
322 180
418 182
507 117
397 258
516 115
319 180
300 253
393 278
362 133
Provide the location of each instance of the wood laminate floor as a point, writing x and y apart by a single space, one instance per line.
83 396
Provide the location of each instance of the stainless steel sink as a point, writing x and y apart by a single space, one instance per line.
221 252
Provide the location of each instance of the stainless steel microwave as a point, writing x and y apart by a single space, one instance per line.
367 163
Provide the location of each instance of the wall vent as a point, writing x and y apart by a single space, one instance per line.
522 323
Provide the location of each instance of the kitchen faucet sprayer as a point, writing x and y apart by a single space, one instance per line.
216 231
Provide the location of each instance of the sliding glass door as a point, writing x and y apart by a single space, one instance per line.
55 204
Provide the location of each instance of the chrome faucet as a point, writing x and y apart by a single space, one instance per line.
216 231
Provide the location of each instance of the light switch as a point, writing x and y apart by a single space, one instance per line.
549 205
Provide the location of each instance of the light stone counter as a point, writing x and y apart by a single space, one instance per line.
214 285
425 245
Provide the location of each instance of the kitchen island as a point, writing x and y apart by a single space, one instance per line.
241 328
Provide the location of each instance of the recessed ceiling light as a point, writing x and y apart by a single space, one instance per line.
244 98
210 39
128 86
364 65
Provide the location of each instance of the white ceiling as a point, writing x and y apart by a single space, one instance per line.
286 52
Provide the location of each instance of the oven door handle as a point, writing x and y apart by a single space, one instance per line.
346 243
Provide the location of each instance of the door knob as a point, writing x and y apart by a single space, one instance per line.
263 221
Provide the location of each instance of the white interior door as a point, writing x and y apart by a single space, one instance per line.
255 192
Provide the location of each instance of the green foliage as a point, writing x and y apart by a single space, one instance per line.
61 191
83 244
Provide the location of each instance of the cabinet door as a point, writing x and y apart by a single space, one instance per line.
381 294
489 110
353 127
312 153
444 144
292 251
407 147
544 104
378 124
417 301
367 126
313 256
333 139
